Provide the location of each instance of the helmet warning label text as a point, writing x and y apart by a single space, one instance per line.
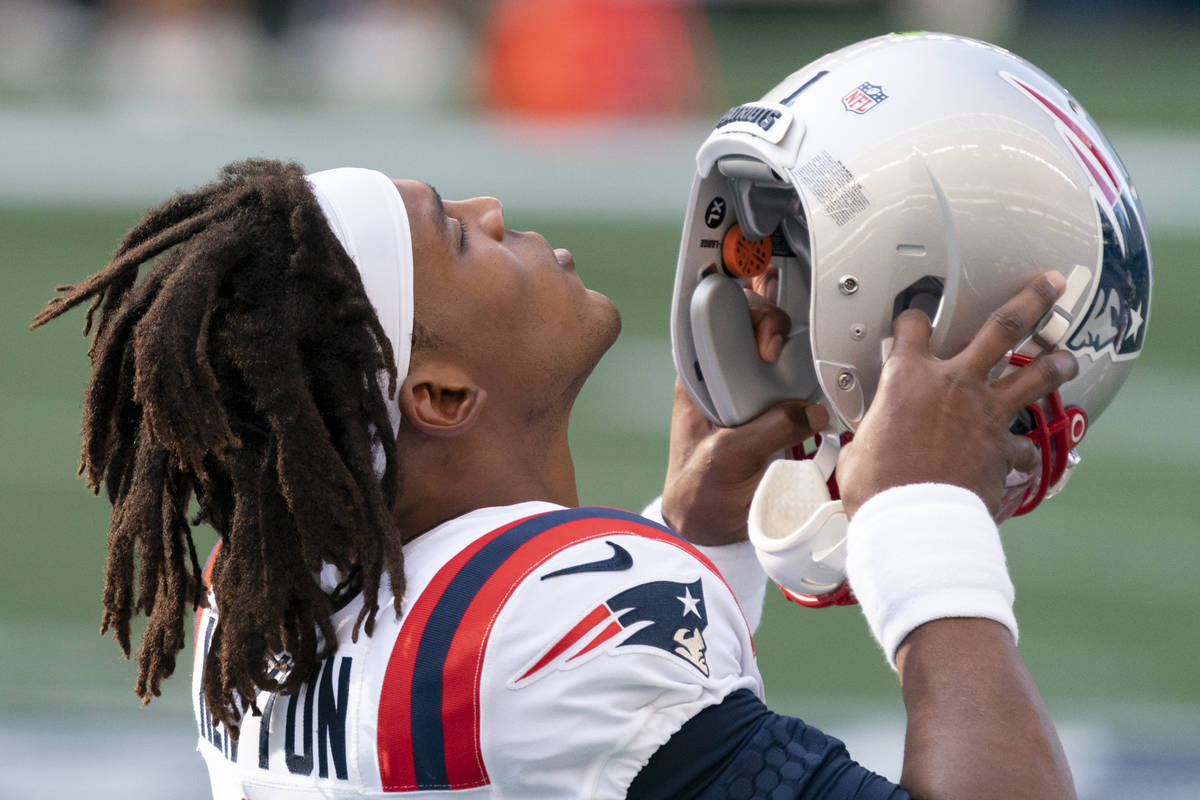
840 195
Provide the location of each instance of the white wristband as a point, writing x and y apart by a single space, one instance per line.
923 552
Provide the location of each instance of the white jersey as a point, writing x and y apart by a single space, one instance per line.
541 652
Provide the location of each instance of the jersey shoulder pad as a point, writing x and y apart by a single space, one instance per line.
613 633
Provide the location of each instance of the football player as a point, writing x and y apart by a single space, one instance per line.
366 389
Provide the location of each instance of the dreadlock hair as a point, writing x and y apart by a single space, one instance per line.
244 372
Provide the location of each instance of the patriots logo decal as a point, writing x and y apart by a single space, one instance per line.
661 617
1115 323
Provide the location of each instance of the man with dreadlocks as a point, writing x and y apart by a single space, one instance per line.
365 390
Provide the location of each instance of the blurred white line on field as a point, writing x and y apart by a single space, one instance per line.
639 168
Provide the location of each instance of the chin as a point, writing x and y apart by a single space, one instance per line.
608 326
601 327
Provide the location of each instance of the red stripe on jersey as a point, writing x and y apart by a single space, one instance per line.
598 615
463 665
463 668
394 739
206 577
612 630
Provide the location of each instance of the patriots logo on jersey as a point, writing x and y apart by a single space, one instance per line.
660 617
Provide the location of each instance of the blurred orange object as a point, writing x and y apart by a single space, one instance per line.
593 57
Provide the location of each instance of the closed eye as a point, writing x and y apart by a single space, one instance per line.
462 240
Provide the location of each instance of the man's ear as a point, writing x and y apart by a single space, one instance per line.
440 399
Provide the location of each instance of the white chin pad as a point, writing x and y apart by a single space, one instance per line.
798 532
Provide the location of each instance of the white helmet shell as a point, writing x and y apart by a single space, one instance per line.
911 169
924 170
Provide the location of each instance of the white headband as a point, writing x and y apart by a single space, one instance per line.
367 215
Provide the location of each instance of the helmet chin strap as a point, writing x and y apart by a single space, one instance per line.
799 531
1056 436
829 447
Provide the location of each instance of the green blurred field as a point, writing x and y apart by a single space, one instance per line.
1105 574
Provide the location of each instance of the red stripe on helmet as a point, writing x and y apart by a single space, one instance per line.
1109 192
1109 187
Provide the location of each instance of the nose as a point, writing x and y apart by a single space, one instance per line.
487 213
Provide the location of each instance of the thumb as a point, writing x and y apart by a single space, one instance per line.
687 420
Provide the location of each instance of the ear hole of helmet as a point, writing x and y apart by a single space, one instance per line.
924 293
1023 423
794 228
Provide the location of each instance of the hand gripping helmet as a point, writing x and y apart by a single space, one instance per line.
921 170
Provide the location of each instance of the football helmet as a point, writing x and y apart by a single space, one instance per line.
924 170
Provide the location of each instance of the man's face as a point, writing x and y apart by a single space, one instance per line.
503 303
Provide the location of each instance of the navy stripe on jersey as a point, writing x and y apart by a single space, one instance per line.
740 749
429 747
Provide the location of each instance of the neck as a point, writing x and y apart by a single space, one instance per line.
444 478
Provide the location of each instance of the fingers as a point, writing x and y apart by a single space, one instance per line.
818 417
766 283
1045 374
771 326
1025 455
780 426
687 419
911 331
1010 323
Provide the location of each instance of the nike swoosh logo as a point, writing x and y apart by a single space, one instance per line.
620 560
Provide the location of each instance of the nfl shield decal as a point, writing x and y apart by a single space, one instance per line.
865 97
